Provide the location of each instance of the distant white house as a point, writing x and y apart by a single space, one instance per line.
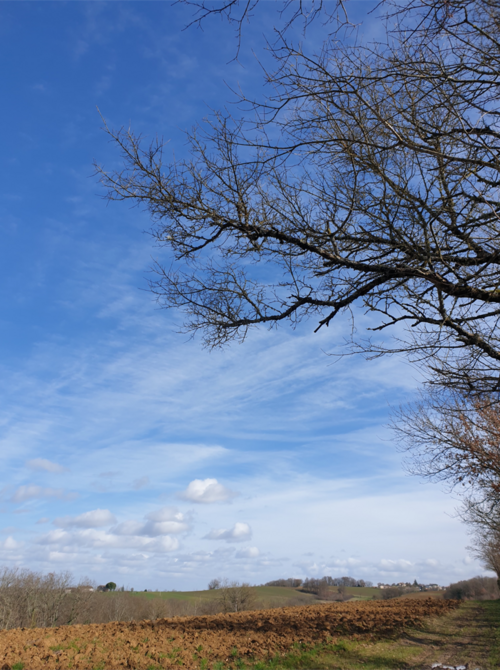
83 588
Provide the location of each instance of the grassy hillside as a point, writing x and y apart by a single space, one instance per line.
279 596
269 596
360 592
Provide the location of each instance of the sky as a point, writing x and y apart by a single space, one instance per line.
130 453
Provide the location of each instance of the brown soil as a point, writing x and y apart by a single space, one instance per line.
191 642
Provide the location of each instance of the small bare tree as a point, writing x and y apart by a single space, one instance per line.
235 597
214 584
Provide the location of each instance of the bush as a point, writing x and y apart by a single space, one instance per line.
393 592
477 588
235 597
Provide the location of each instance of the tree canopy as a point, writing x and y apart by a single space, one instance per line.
368 180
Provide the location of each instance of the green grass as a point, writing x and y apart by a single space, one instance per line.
276 596
340 655
273 595
492 620
360 592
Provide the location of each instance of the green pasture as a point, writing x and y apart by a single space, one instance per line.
278 596
268 595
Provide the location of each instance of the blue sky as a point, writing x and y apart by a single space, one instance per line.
129 452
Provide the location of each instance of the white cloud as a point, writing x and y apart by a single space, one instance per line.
206 491
128 528
165 514
160 522
150 528
96 518
153 529
30 491
9 543
98 539
46 465
398 565
53 537
240 532
249 552
162 545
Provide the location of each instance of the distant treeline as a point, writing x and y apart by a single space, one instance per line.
294 583
313 585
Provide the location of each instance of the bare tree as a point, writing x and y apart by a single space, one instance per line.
235 597
486 544
214 584
456 440
368 181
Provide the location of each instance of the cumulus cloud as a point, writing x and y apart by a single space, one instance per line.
96 518
164 521
150 528
165 514
398 565
30 491
240 532
248 552
99 539
128 528
153 529
206 491
9 543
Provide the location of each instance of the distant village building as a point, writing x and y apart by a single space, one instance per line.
85 588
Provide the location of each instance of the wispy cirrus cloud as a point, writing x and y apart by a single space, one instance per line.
43 464
140 483
32 491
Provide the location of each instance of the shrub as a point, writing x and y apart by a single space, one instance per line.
477 588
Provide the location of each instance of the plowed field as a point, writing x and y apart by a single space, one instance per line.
198 642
